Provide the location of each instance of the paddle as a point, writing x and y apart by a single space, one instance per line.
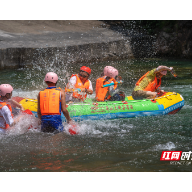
173 73
107 85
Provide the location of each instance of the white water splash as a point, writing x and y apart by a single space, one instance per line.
82 129
102 127
168 146
27 123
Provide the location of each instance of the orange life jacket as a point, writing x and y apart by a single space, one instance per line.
152 86
50 101
102 92
80 85
2 104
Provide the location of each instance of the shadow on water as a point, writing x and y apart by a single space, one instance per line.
133 144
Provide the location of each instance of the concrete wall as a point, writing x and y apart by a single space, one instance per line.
126 48
22 57
25 43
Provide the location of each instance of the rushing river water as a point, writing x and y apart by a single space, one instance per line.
119 145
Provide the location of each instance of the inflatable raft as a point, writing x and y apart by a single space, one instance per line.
169 103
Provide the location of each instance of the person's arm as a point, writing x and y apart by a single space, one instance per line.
13 102
38 106
162 68
90 90
8 118
63 107
113 91
6 113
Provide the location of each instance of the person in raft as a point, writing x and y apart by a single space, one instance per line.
148 86
51 102
6 116
79 86
111 93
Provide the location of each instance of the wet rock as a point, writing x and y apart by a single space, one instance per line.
177 43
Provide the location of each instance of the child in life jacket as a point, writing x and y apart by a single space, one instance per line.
111 93
51 102
79 86
148 86
6 116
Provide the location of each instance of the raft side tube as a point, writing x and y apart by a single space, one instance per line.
169 103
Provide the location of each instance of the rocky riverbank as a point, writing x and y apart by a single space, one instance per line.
175 41
24 43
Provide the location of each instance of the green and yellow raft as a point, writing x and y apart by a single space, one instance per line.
169 103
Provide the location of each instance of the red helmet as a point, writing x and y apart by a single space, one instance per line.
86 69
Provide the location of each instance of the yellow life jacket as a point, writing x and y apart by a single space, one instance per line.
152 86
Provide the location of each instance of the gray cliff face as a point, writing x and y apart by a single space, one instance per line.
177 43
26 43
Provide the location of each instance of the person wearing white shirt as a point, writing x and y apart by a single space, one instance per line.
79 86
6 116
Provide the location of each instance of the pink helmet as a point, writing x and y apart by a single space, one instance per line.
110 71
5 88
51 77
